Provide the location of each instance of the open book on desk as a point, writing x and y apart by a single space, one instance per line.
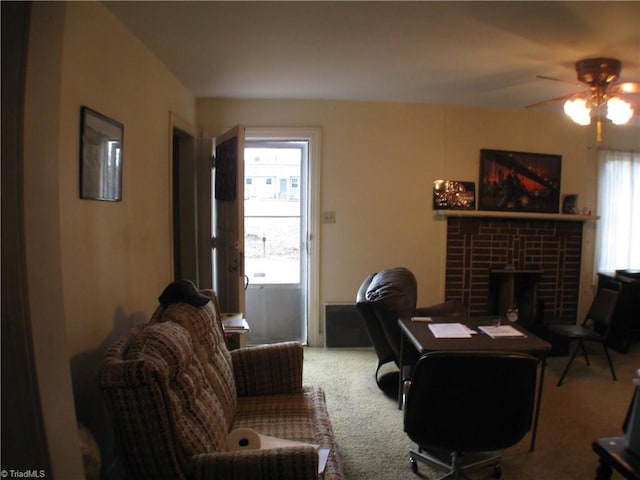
502 331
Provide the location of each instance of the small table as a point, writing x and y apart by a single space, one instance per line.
613 454
417 335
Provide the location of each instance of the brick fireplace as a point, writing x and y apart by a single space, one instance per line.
548 251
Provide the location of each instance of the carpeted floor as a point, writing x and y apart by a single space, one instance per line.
373 446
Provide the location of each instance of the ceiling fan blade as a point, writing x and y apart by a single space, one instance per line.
544 77
625 87
552 100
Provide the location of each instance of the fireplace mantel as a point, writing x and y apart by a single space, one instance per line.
523 215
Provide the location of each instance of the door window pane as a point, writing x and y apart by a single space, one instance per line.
272 216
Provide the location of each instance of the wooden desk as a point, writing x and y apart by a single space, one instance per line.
418 336
613 454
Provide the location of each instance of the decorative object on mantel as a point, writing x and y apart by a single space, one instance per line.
453 194
519 181
570 203
100 156
600 75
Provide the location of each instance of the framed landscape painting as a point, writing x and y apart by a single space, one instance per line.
519 181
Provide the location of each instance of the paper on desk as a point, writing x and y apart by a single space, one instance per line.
502 331
450 330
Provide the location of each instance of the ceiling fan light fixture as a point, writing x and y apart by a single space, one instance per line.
598 71
619 111
578 110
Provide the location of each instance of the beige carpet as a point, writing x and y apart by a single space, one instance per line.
373 446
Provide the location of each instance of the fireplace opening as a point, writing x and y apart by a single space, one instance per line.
510 288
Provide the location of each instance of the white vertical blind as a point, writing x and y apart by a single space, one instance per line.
618 238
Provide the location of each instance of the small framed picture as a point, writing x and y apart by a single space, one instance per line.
454 195
100 156
570 203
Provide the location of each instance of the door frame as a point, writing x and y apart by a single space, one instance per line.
312 242
186 209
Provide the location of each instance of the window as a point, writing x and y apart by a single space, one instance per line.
618 234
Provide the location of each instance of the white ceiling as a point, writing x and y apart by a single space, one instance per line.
469 53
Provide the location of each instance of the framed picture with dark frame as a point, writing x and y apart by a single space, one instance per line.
519 181
100 156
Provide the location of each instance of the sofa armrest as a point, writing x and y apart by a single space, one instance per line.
448 308
290 463
268 369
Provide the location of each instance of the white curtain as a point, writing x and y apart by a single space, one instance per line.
618 238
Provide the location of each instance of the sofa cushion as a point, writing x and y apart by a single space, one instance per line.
268 369
204 326
169 358
136 402
302 417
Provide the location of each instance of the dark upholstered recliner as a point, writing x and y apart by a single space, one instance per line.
386 296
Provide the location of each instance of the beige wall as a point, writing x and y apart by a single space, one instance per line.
94 268
378 164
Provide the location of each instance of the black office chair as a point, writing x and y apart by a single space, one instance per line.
461 403
595 328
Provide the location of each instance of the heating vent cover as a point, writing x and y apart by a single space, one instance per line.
344 327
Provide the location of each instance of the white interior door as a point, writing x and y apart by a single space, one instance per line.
229 215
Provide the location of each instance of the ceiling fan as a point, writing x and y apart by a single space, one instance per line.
601 76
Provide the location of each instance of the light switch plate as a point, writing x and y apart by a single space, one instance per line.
329 217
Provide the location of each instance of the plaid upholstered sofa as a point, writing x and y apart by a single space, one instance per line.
175 391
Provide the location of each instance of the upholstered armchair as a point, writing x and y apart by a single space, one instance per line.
382 299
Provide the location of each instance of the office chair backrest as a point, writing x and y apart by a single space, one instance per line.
470 401
601 310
